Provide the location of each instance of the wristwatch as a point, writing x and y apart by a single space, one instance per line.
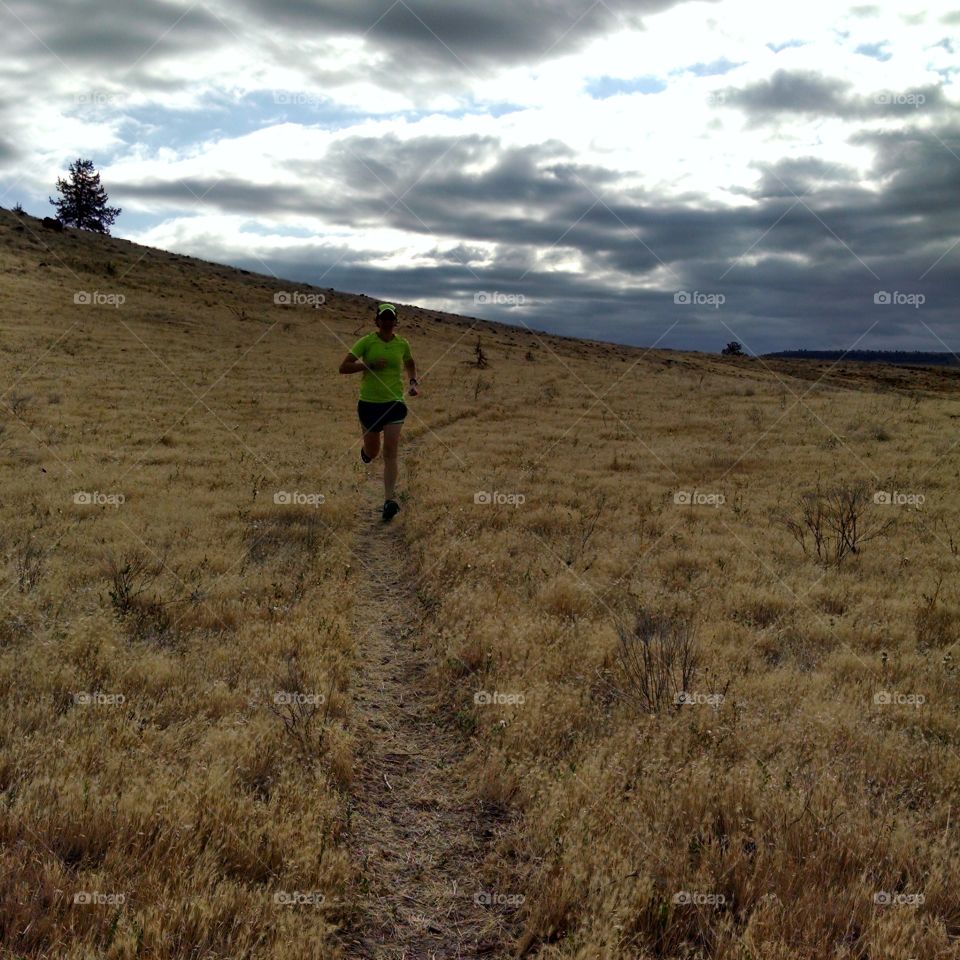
414 382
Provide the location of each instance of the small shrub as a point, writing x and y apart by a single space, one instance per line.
583 531
129 576
147 616
297 709
934 623
18 403
658 658
833 523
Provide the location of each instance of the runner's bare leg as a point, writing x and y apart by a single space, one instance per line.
371 444
391 445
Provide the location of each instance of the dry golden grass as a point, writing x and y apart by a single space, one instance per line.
145 644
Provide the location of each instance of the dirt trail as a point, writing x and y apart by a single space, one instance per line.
417 839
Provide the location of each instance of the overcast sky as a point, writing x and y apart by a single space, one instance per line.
568 165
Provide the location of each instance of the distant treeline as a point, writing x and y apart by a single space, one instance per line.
911 357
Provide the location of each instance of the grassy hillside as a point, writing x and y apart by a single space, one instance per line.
593 529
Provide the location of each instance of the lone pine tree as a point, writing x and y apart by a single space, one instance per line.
83 200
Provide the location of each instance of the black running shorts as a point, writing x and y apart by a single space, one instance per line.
373 416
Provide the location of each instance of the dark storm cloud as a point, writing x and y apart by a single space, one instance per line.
197 195
8 110
801 175
417 185
921 169
804 92
389 166
114 38
11 149
789 91
8 152
457 35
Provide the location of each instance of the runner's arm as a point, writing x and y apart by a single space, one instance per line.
411 367
351 364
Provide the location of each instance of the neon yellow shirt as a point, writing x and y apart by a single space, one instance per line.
382 386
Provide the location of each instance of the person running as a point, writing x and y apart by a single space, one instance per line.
381 408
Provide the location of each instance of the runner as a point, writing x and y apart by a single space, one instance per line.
381 408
